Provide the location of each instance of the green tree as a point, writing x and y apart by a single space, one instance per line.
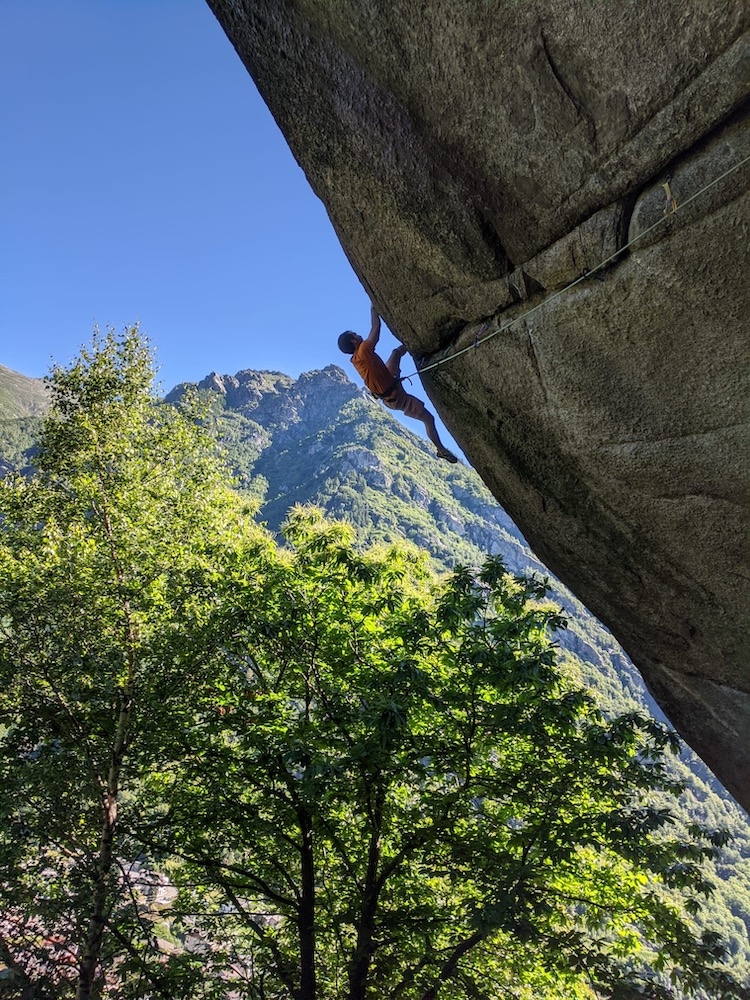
365 784
404 797
111 558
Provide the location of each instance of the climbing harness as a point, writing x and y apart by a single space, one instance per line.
395 384
670 208
389 391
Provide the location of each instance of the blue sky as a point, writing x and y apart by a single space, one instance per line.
142 178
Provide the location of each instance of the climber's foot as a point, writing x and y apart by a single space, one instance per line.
446 455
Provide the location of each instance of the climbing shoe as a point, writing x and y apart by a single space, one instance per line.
446 455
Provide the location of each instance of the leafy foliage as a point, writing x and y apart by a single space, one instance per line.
109 560
362 781
402 795
352 459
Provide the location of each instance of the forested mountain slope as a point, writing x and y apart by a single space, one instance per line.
321 440
22 401
21 396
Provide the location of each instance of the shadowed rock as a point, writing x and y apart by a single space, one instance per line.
475 159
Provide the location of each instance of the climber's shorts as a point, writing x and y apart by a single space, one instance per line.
399 399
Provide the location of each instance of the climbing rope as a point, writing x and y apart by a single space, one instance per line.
671 209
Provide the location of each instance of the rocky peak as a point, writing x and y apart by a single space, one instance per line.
277 400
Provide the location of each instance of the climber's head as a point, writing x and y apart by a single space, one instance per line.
349 341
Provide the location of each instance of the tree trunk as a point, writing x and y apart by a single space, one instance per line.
91 951
306 923
360 964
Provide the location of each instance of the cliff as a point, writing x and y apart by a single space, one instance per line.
475 159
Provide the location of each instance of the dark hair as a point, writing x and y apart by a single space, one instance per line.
346 344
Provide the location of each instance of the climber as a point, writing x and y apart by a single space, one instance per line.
384 382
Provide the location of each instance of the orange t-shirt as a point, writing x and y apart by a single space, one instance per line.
374 374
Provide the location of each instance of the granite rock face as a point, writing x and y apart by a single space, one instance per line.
475 160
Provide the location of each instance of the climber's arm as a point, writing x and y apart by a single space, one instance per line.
374 335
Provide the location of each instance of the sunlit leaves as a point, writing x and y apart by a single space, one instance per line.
349 779
112 560
459 795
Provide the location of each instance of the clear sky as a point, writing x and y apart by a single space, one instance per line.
142 178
